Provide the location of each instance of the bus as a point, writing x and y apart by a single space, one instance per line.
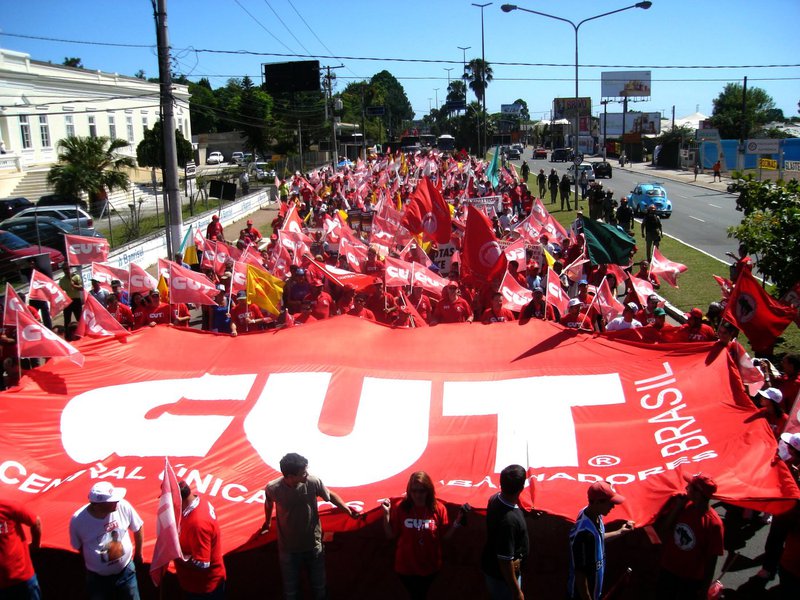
427 140
446 143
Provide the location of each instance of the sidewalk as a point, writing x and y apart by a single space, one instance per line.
704 179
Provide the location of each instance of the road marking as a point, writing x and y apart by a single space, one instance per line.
696 219
714 205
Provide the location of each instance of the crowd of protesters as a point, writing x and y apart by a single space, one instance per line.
317 203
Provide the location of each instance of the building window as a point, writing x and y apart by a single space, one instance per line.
112 127
25 132
92 127
44 131
129 126
69 121
144 122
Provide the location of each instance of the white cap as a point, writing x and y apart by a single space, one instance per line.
104 491
773 394
792 439
574 302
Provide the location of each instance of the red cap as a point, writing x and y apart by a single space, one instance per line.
702 483
601 491
696 312
249 221
214 218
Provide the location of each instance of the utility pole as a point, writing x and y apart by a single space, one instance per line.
744 132
464 72
363 124
483 75
300 142
333 146
174 233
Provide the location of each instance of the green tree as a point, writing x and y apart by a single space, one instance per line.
139 74
524 114
770 228
255 107
479 75
72 61
398 108
727 113
150 151
203 107
91 166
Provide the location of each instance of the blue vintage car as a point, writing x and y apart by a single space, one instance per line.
647 194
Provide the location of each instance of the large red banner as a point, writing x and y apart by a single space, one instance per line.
460 402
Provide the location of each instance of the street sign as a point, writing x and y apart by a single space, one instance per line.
792 165
376 111
763 146
455 105
578 160
190 170
708 134
768 163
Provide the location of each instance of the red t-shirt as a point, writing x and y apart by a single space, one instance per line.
200 540
147 314
489 316
580 321
15 560
124 316
452 312
364 313
321 305
696 537
179 310
423 306
240 312
704 333
419 538
301 318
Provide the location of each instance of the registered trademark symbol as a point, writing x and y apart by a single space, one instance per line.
604 460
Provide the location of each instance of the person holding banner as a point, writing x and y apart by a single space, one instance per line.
17 577
72 284
496 313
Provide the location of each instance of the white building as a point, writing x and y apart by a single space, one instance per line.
42 103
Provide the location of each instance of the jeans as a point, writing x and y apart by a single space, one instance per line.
498 588
25 590
291 565
121 586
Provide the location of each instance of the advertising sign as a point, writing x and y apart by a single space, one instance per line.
510 109
635 122
625 84
763 146
768 163
565 108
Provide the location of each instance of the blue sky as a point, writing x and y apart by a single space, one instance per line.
671 33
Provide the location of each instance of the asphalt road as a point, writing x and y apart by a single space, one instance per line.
700 216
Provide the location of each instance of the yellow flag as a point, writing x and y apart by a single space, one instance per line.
548 257
190 255
163 288
264 290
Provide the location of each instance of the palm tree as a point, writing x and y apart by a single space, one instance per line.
478 74
91 166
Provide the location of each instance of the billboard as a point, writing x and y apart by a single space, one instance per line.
635 122
625 84
565 108
510 109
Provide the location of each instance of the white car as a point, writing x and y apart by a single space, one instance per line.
215 158
582 168
69 213
261 171
237 157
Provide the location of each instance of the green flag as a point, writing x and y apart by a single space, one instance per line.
493 170
607 244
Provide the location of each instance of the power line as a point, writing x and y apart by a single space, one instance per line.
403 60
289 29
315 34
260 24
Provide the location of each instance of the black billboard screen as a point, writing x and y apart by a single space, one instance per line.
296 76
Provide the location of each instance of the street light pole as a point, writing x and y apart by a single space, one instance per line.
464 72
576 27
483 76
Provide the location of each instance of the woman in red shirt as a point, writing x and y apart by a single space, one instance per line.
419 522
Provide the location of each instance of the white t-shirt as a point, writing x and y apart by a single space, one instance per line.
105 543
620 323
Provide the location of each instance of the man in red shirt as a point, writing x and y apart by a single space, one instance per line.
180 314
202 573
360 310
120 312
452 308
321 301
250 235
373 265
246 317
421 302
537 308
215 230
694 330
17 577
576 318
381 303
647 315
305 315
496 313
692 535
154 312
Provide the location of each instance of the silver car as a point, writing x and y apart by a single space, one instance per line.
75 217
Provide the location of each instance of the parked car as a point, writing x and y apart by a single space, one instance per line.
61 200
581 168
51 231
237 157
602 169
512 153
13 247
74 217
261 171
561 155
11 206
215 158
539 153
647 194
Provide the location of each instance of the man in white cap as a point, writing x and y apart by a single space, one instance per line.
100 532
626 320
576 318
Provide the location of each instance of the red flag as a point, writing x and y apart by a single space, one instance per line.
168 524
140 280
13 306
215 256
481 253
556 296
607 301
761 317
725 285
515 297
297 243
37 341
83 250
661 265
554 230
516 251
428 280
416 318
356 255
279 262
341 277
44 288
642 288
96 321
428 213
293 223
397 272
617 272
239 276
106 273
189 287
